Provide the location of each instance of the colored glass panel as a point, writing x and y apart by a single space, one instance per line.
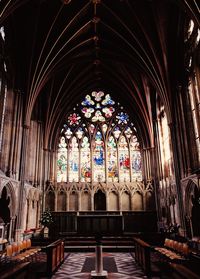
124 160
85 160
136 159
98 158
74 119
112 160
73 161
122 118
62 161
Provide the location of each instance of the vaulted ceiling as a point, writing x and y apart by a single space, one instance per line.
59 51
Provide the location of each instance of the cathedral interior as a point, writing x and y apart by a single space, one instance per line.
100 116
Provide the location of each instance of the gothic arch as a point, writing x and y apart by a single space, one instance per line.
189 192
99 200
11 194
192 208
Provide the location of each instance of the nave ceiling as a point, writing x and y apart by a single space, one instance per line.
59 51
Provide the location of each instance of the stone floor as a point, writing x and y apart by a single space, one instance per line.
125 267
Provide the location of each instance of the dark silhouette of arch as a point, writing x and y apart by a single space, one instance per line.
99 201
4 209
50 201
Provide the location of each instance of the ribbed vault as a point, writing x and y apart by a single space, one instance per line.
62 50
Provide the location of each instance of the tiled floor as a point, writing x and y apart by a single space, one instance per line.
126 266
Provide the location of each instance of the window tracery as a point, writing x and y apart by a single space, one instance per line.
98 142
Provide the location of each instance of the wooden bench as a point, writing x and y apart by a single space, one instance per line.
142 255
174 250
20 251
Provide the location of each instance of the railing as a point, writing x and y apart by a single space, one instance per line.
142 255
55 256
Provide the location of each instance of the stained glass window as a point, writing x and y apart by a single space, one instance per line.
98 143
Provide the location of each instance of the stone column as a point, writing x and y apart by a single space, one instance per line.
107 200
92 200
11 229
56 201
120 201
177 176
22 177
27 213
79 200
157 175
67 200
99 272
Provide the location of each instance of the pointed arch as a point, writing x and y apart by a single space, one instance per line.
95 143
10 190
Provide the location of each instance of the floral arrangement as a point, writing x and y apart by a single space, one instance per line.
46 218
